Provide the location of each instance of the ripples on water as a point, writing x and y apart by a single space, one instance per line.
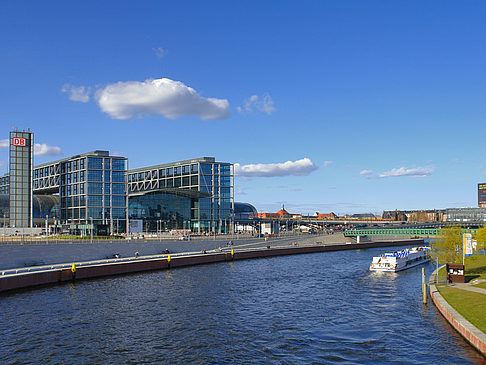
315 308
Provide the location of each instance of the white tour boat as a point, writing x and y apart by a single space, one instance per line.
400 260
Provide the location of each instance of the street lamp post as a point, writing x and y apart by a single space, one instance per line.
91 228
47 228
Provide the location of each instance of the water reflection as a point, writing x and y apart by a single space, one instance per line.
319 308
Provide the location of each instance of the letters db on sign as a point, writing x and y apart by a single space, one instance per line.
19 142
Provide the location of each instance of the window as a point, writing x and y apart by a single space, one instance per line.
178 170
107 164
94 200
95 163
94 188
94 213
185 170
118 176
206 169
107 176
118 213
118 189
225 180
118 201
94 175
107 189
225 169
118 164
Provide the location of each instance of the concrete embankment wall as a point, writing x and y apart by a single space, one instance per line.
466 329
31 279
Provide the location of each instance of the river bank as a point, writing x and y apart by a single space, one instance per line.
24 277
454 299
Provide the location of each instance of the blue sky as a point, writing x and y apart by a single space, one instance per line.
344 106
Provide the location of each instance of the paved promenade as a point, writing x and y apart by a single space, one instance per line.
469 287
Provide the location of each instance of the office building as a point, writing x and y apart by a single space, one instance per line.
194 194
95 191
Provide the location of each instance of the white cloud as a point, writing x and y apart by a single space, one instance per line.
296 168
403 171
328 163
159 52
4 143
77 93
42 149
366 172
172 99
264 104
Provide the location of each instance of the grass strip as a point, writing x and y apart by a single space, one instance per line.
480 285
470 305
476 267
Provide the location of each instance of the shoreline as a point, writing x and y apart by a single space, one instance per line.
61 273
466 329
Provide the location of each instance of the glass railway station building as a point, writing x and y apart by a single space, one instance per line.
96 190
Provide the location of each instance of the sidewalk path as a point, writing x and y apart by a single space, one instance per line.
469 287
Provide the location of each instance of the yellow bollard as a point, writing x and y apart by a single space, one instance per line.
73 272
168 258
232 252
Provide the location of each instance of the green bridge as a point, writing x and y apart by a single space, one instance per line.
417 232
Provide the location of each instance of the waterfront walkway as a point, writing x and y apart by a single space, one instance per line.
471 333
469 287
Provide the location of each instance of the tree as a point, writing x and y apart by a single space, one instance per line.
481 239
448 245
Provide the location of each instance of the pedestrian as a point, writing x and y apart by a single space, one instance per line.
137 254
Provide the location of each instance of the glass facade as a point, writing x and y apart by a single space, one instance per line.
468 215
161 211
20 184
212 210
93 189
97 188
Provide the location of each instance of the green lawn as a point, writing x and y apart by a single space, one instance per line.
470 305
481 285
476 267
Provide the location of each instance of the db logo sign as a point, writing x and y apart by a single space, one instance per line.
19 142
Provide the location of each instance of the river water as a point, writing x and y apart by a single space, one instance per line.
313 308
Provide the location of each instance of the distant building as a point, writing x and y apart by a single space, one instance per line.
324 216
282 213
482 195
466 215
244 211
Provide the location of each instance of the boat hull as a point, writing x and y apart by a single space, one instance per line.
400 268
